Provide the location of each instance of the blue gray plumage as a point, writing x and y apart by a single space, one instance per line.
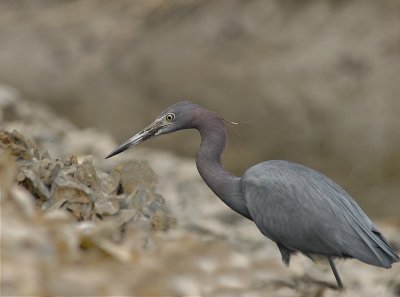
297 207
312 214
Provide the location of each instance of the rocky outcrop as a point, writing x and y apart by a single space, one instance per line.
143 224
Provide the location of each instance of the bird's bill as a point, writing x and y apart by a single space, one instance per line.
147 133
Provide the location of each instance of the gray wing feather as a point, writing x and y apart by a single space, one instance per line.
304 210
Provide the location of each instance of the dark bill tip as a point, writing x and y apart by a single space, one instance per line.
145 134
127 144
138 138
118 151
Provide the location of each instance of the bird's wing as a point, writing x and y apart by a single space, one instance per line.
306 211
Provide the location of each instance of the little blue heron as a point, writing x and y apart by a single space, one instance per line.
295 206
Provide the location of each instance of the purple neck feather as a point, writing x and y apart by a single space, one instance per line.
208 160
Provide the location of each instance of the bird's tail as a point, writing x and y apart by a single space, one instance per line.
365 242
374 249
386 252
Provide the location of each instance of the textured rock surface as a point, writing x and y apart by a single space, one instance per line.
78 225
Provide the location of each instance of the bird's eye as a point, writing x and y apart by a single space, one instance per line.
170 117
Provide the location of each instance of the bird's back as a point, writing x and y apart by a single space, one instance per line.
303 210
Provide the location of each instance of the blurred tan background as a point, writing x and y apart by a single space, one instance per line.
315 82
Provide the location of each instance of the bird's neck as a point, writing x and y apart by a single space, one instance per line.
208 160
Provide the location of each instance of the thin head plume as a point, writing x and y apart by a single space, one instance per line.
233 124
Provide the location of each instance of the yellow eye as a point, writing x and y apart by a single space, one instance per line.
170 117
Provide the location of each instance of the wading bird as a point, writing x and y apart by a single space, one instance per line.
295 206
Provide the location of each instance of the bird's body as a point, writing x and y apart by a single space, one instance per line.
305 211
295 206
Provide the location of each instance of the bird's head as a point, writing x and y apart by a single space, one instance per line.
179 116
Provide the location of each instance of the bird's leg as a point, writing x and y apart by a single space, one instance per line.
335 272
285 252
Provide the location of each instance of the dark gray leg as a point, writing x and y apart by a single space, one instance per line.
335 272
285 252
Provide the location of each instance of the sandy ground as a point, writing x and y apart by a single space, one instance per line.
68 228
